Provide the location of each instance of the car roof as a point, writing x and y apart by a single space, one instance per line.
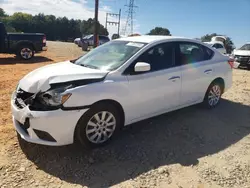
151 38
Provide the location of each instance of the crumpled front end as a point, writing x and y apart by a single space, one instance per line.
54 128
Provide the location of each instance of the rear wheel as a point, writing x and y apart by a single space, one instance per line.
248 67
25 52
98 125
213 95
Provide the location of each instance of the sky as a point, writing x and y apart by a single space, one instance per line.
187 18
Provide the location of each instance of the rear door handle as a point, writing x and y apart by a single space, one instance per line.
208 71
174 78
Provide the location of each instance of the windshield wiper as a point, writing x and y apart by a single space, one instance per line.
89 66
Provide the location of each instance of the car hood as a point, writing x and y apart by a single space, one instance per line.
41 79
242 52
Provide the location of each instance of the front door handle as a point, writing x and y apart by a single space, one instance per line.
174 78
208 71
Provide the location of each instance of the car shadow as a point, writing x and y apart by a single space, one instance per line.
181 136
14 60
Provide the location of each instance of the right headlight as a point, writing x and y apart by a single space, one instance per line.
55 97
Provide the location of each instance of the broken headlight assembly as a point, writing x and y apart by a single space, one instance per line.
54 97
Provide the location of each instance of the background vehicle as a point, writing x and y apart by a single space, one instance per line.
77 40
24 45
89 41
218 45
242 55
124 81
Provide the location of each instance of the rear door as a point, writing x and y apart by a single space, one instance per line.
196 71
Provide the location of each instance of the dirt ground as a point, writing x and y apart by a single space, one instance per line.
188 148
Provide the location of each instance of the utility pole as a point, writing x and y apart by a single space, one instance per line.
119 23
96 24
129 22
114 22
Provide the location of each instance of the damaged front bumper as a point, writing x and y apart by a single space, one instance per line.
54 128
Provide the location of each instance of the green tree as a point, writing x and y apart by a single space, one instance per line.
60 28
159 31
87 27
229 45
21 21
2 13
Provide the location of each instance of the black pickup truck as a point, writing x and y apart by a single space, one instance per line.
24 45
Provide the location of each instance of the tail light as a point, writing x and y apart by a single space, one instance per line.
44 39
231 62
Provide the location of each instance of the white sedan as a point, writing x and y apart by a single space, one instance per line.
121 82
218 45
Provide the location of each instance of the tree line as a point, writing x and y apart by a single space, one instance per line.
55 28
64 29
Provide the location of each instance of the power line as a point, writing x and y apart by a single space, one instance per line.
114 22
130 17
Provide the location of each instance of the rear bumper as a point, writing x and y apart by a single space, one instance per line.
228 80
45 48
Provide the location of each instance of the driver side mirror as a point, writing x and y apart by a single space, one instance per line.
142 67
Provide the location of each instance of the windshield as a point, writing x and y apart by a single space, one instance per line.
245 47
110 56
209 43
87 37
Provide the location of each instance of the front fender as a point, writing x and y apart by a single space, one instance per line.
92 93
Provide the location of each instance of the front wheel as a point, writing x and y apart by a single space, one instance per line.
98 125
213 95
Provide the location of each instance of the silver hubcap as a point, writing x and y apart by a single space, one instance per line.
100 127
214 95
26 53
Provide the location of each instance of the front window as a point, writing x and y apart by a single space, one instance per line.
245 47
110 55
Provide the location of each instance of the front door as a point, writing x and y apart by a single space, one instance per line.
159 89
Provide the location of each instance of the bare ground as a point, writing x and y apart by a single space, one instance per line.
192 147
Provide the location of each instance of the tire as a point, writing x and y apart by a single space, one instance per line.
248 67
84 46
25 52
89 122
213 95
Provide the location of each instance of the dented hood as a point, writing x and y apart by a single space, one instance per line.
41 78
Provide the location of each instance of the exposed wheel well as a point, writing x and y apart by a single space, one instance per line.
116 104
25 44
221 82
